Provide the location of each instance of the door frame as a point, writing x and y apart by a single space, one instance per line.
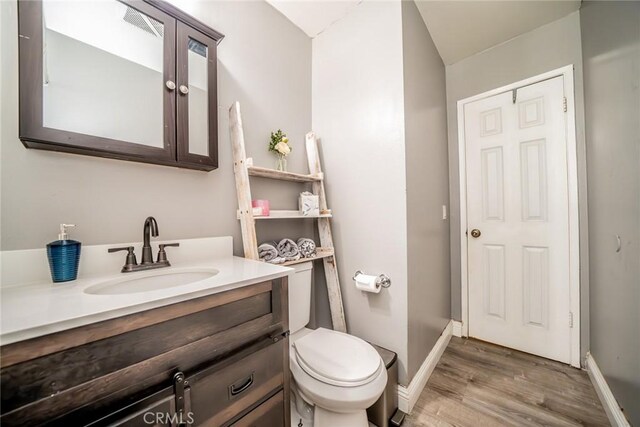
574 211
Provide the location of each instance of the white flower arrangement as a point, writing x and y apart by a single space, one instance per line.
279 143
283 148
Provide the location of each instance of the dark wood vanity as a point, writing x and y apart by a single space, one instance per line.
125 79
218 360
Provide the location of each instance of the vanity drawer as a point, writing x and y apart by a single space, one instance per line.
219 395
269 414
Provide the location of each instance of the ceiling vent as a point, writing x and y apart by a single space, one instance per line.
143 22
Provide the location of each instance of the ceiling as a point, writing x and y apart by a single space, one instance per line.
458 28
463 28
314 16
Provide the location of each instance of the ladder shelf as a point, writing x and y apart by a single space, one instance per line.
284 214
325 251
281 175
320 253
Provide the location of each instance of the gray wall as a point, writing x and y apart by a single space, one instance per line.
544 49
425 120
358 114
264 62
611 53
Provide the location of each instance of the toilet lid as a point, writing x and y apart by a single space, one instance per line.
337 358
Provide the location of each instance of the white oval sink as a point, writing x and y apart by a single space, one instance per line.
150 282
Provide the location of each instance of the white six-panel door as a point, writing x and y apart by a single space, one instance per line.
517 201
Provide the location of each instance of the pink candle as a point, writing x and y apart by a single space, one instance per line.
263 205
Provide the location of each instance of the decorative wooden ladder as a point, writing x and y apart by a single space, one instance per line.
326 251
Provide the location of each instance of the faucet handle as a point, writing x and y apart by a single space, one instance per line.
164 245
126 248
162 255
131 257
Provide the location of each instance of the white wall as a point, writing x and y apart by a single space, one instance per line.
544 49
357 111
264 62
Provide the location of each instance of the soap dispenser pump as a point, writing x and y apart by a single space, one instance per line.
64 256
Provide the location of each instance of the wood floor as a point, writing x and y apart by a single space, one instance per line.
480 384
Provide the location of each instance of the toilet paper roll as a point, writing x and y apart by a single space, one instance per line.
367 283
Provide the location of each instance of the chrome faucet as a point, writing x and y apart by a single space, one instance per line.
131 264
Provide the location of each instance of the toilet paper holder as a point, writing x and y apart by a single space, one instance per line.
382 280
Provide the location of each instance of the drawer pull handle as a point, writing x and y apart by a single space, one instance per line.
239 389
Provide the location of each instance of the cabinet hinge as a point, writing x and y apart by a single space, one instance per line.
571 319
564 104
181 391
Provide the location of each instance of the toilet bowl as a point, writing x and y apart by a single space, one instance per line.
335 376
339 375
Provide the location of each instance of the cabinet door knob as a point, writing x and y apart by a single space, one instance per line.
170 85
184 90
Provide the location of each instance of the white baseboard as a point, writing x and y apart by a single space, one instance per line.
457 328
611 407
408 396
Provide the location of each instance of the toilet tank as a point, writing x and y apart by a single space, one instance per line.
300 296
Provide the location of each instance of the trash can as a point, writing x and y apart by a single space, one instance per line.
385 412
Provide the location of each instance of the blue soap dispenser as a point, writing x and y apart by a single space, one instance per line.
64 256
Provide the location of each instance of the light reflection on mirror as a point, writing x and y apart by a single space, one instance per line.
198 98
103 71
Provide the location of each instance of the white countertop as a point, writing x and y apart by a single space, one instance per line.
36 309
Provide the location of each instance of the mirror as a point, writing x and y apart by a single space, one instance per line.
103 71
124 79
198 98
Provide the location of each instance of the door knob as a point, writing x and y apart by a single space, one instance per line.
475 233
184 89
170 85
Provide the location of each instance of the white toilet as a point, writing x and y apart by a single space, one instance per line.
335 376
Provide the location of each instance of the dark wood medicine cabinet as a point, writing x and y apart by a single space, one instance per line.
125 79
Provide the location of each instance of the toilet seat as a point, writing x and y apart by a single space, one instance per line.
335 398
337 359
